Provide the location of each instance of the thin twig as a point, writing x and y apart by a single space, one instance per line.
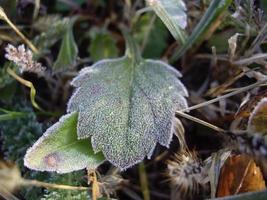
25 182
211 126
243 61
27 84
210 57
28 42
247 61
36 9
92 179
243 89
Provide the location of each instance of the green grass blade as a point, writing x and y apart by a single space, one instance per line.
10 115
213 13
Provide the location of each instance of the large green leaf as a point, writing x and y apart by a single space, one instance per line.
173 14
59 149
127 105
213 13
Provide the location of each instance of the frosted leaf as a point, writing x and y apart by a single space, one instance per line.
127 106
172 13
59 149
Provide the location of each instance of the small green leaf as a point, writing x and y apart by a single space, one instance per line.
68 52
59 149
127 105
173 14
103 46
213 13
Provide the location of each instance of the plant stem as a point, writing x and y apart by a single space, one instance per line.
144 181
36 9
247 61
148 32
92 179
25 182
211 126
132 47
27 84
243 89
28 42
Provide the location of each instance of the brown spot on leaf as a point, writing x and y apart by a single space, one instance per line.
52 159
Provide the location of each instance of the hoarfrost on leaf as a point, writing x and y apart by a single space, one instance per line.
59 149
172 13
127 106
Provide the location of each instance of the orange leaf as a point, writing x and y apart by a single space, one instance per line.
239 175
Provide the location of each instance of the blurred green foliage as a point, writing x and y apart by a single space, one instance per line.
103 45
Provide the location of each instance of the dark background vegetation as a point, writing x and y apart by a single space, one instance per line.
97 35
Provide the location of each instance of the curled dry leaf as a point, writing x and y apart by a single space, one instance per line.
240 174
258 119
245 111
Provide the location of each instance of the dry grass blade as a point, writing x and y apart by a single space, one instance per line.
27 84
92 179
4 17
200 121
10 180
36 9
240 90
